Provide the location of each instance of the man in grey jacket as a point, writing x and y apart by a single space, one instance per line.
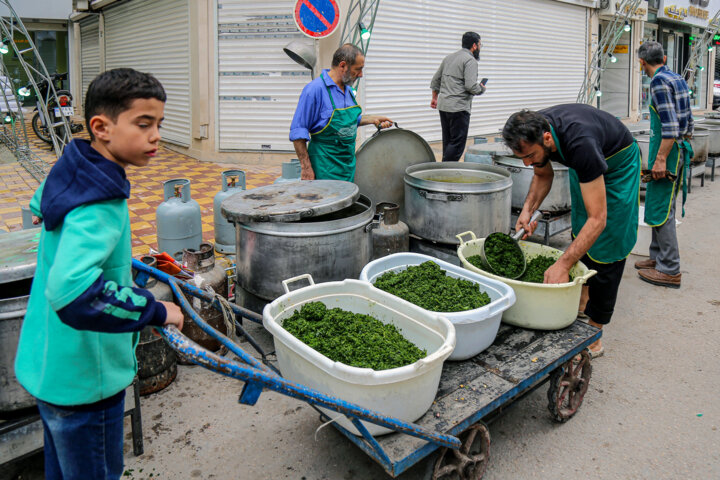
453 87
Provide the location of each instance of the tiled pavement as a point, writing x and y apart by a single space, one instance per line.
17 187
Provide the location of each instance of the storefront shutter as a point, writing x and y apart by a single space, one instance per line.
154 36
258 84
89 52
534 55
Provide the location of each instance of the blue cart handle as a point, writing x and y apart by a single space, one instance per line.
257 379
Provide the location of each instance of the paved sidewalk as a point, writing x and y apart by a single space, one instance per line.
17 187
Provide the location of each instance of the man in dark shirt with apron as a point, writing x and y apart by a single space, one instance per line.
327 116
604 163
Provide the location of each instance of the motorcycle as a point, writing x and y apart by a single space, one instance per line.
56 109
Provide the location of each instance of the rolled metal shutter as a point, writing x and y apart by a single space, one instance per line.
258 84
533 53
89 51
154 36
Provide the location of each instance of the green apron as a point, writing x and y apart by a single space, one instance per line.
622 193
660 193
332 149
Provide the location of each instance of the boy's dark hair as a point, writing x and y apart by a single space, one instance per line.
524 126
112 92
469 39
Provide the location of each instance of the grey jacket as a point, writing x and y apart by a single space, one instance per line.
456 80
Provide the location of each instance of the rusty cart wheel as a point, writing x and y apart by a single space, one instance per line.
470 461
568 385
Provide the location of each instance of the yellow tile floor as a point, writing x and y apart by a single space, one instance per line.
17 187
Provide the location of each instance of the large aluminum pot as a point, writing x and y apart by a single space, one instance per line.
557 200
329 247
713 132
18 257
700 143
443 199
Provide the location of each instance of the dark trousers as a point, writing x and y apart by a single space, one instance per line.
603 289
454 134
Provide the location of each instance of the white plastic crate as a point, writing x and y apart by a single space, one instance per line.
405 393
475 329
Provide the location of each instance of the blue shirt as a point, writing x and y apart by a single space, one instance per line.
672 101
314 108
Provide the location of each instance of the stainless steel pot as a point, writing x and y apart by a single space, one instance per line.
557 200
18 257
330 247
700 143
447 198
713 131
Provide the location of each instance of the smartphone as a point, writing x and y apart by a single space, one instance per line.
484 81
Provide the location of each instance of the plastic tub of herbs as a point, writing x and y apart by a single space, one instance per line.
473 303
354 342
539 306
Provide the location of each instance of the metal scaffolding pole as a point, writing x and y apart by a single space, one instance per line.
602 54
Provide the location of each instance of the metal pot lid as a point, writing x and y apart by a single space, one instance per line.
518 163
289 202
18 255
382 160
497 148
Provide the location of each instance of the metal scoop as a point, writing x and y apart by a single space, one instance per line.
497 269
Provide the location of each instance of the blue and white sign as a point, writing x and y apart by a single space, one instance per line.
317 18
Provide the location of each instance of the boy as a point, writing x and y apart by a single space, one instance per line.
76 352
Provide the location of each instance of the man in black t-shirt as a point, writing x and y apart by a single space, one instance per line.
604 163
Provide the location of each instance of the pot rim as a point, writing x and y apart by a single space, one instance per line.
465 188
314 229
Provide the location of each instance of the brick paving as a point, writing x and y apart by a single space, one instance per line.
17 187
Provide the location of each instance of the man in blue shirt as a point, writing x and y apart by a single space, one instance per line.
671 125
327 116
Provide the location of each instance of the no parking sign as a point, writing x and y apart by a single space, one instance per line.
317 18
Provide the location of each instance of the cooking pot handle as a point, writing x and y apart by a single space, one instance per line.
512 169
378 127
307 276
461 235
443 197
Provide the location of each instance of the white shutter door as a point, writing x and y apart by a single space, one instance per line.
154 36
258 84
89 52
534 54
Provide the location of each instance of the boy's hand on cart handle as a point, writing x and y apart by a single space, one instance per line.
174 315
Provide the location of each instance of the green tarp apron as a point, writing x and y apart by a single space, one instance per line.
622 193
660 193
332 149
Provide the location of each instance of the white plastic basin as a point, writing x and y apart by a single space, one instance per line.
475 329
405 393
538 305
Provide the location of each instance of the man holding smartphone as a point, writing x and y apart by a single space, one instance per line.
453 87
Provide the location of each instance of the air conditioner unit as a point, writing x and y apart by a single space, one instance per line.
640 13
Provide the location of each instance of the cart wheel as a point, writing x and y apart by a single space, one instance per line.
470 461
568 385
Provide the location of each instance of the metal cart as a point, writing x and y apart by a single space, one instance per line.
471 392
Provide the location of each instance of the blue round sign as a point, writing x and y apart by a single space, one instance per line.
317 18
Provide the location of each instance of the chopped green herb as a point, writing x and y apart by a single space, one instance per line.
503 255
428 286
535 271
351 338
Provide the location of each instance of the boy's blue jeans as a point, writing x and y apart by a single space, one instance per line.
84 443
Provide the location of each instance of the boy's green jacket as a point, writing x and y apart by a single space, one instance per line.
77 344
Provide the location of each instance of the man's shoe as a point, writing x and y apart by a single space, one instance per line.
641 264
651 275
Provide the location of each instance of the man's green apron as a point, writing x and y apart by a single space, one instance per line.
622 194
660 193
332 149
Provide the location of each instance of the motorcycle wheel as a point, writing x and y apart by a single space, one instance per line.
42 132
